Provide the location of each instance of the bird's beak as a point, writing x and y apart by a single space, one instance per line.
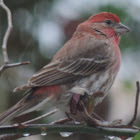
121 29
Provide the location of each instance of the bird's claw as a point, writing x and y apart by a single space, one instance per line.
97 121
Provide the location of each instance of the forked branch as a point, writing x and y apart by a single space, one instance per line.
6 63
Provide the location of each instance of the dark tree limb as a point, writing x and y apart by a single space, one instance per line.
36 128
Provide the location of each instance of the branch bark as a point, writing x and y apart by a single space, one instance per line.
31 129
6 65
8 31
136 104
5 41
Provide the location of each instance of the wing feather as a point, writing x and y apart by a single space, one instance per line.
67 71
93 59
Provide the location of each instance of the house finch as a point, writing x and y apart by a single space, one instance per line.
87 63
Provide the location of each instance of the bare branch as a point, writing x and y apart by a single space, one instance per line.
8 31
40 117
6 65
60 121
136 104
36 128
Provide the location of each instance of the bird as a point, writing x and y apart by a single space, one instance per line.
88 63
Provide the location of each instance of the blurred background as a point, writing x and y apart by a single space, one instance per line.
41 27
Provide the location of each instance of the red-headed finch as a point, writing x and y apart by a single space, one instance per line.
87 63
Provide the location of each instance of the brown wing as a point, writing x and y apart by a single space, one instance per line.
93 59
64 72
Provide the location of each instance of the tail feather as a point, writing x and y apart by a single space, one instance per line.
29 103
16 110
9 114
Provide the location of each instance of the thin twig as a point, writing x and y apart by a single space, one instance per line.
136 105
89 118
40 117
6 63
6 66
8 31
60 121
94 115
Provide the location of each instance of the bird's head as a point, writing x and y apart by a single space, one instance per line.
105 24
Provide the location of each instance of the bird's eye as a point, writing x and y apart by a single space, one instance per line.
108 22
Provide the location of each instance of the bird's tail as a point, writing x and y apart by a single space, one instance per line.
9 114
14 111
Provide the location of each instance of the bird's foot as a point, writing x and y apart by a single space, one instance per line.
79 113
74 101
96 121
